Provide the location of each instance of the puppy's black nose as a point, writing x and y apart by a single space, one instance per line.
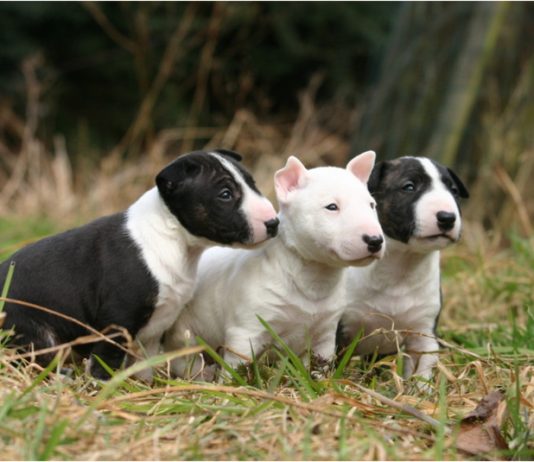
374 243
446 220
272 227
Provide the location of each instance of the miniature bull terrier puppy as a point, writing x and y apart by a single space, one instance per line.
136 269
418 208
328 221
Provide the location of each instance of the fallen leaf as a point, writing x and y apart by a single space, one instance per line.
480 430
485 408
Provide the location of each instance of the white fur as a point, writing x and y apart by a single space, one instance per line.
171 255
402 291
294 282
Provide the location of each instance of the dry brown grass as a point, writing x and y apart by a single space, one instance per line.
53 416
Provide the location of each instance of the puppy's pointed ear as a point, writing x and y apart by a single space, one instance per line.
173 175
362 165
462 190
289 178
377 175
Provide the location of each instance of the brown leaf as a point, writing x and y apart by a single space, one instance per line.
480 430
486 406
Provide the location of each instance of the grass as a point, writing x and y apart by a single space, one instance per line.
278 411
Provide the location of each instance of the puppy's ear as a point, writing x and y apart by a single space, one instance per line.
174 174
231 154
362 165
289 178
377 175
462 190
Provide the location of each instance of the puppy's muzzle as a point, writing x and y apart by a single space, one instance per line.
374 243
272 227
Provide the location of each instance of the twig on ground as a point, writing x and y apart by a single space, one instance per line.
406 408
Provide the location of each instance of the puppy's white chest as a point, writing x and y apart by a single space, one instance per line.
170 302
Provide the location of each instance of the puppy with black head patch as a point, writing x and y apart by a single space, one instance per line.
135 269
418 208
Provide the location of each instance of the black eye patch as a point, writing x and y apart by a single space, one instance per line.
400 185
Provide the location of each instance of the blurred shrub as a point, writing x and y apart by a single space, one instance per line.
101 59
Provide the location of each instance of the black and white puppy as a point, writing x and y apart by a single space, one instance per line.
418 208
136 269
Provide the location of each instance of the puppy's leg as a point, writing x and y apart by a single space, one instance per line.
108 352
30 336
241 342
324 351
422 355
150 348
186 367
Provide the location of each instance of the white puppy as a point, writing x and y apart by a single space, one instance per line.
418 207
327 222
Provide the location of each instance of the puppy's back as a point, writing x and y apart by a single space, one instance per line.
54 273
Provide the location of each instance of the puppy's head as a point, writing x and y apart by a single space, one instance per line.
327 213
214 197
418 202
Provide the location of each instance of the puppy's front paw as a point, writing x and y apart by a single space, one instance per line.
320 367
208 373
95 370
422 384
145 375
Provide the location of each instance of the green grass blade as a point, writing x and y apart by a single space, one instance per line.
340 369
439 446
38 435
7 283
102 363
54 439
256 369
294 359
120 377
221 362
300 382
275 381
42 375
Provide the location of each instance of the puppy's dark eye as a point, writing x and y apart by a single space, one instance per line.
226 195
409 186
332 207
373 205
454 190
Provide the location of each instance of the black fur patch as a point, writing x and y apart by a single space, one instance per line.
397 185
395 204
205 197
94 274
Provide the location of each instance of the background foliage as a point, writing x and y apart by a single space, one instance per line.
91 85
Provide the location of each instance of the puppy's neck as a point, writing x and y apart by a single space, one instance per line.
166 246
313 279
401 263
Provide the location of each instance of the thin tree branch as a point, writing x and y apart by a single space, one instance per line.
106 25
172 51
